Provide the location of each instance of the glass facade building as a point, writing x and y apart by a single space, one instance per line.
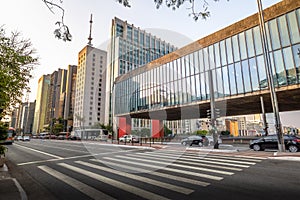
235 59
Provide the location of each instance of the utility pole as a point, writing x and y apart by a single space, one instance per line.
264 115
267 59
213 115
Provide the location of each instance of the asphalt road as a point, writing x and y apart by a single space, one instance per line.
51 169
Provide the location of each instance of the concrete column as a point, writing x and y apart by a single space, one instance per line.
157 128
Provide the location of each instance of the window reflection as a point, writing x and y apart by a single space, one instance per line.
246 76
243 49
229 50
250 45
226 83
220 83
296 51
235 47
217 55
280 71
289 65
253 73
257 40
293 27
223 53
232 77
239 78
284 35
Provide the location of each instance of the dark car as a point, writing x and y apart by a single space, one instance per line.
198 140
291 142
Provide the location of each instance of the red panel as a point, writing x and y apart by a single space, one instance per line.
124 126
157 128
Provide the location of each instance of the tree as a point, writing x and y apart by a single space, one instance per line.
16 64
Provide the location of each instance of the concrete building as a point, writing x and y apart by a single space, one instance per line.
131 48
41 104
56 89
90 87
69 99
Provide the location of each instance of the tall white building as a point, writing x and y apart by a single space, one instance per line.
90 87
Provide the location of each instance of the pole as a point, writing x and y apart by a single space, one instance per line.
213 110
264 115
274 101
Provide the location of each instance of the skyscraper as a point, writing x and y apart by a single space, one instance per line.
41 104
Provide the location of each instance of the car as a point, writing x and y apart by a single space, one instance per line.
211 140
129 138
26 138
194 139
73 137
19 138
61 137
291 142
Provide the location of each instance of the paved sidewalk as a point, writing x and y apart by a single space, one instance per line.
10 189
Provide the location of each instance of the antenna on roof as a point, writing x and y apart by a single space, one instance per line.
90 36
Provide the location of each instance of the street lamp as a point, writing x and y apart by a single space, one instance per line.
267 59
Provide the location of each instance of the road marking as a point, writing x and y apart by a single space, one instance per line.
41 152
217 159
218 178
163 175
140 178
178 165
192 158
180 160
87 190
126 187
62 148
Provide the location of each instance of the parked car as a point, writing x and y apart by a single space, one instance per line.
61 137
291 142
194 139
18 138
129 138
211 139
73 137
26 138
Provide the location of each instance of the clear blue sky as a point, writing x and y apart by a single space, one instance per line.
33 19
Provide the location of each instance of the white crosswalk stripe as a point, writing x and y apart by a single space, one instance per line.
135 190
139 178
173 172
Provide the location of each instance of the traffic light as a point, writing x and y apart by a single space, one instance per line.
217 113
208 113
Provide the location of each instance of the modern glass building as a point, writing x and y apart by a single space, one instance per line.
234 55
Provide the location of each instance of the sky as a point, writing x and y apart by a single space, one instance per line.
34 20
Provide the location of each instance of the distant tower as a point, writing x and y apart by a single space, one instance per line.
90 36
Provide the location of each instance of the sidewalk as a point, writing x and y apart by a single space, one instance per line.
10 189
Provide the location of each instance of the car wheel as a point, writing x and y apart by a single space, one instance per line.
256 147
293 148
184 143
200 144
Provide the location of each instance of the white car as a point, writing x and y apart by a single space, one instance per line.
129 138
26 138
211 140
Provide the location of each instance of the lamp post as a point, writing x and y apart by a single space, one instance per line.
267 59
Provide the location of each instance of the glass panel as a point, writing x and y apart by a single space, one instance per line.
217 55
212 63
203 87
268 36
229 51
183 67
201 60
275 79
176 101
257 40
243 49
192 63
193 88
284 35
225 81
235 45
253 73
250 45
180 91
293 27
214 79
246 76
223 53
207 85
206 59
296 52
289 65
197 85
263 82
280 71
274 34
188 88
184 91
196 62
239 78
232 76
187 65
220 84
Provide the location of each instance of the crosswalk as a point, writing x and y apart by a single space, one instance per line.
150 175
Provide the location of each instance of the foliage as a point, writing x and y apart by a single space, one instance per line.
225 133
103 126
62 32
145 132
175 4
3 131
201 132
16 64
167 131
3 149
